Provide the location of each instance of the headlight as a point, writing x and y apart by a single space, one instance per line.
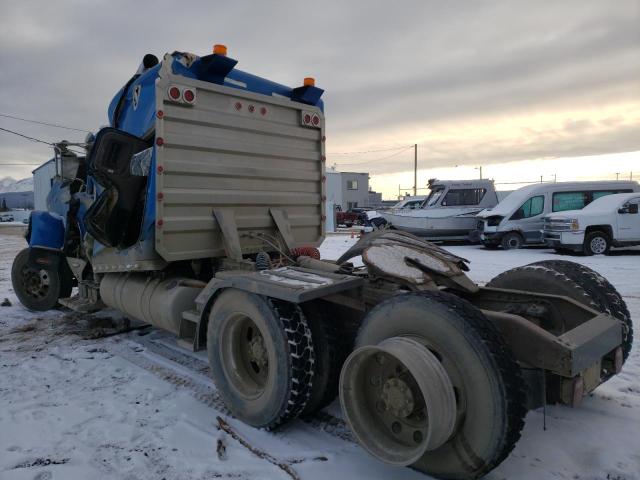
494 221
574 224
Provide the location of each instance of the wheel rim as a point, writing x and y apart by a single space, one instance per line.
398 400
245 356
598 245
513 242
35 282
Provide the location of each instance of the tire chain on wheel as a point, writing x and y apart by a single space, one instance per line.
331 349
601 291
301 355
507 365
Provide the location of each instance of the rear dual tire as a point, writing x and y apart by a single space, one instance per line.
261 357
485 378
601 293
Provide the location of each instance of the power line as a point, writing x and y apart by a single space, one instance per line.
26 136
378 159
370 151
44 123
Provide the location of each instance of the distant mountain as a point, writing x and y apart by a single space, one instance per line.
17 199
11 185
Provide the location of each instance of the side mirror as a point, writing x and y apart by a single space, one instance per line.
631 208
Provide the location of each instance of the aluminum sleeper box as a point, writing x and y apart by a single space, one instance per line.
238 150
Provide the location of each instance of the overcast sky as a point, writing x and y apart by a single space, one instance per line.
474 83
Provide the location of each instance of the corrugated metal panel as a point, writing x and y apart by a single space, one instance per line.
42 184
218 156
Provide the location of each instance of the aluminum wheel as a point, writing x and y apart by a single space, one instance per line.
598 245
397 399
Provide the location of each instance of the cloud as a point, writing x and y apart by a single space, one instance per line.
394 73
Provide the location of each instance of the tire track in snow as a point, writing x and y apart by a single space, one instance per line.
186 371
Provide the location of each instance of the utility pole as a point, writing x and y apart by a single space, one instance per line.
415 169
617 175
540 178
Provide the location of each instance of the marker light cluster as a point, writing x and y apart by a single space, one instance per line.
310 119
250 107
186 95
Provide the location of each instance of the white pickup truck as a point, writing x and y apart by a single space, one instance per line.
609 221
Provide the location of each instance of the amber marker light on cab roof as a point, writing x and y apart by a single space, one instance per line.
309 82
220 49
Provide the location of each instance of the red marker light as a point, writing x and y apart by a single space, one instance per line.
188 95
263 111
159 223
160 196
159 141
238 106
174 93
316 120
307 119
160 169
252 109
159 114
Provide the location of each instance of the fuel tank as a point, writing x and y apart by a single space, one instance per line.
159 302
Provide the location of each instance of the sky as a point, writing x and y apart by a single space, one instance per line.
521 88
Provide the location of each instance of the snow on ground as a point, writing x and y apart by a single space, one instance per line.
77 407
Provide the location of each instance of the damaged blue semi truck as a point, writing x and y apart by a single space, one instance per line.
198 210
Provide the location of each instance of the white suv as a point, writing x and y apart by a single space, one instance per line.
609 221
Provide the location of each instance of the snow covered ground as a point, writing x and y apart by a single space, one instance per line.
134 406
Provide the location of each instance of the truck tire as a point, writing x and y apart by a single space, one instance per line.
511 241
541 279
489 398
39 289
596 243
330 352
261 357
601 292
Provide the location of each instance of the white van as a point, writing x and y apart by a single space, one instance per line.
518 219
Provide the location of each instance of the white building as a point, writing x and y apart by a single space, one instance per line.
345 190
42 179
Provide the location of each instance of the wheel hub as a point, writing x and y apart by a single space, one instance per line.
36 282
598 245
257 350
398 397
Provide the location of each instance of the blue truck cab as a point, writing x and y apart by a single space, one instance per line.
103 206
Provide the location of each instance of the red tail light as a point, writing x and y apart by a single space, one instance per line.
189 95
174 93
311 119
